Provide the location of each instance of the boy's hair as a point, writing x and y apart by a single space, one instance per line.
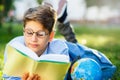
44 14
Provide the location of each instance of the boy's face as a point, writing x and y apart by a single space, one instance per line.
36 37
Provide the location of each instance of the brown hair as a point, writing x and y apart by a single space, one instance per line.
43 14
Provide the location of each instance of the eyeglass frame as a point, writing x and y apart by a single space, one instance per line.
36 33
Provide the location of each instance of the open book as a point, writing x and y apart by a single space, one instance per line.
49 67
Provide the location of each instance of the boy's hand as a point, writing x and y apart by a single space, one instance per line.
28 76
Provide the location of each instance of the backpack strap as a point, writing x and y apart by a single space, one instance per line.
69 71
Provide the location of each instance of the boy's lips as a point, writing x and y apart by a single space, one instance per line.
34 45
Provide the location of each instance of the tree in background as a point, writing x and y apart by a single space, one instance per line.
1 12
39 1
5 6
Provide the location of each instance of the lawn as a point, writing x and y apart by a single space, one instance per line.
103 38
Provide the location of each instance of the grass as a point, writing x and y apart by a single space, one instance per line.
104 39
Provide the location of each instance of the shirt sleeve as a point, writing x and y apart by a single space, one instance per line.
58 47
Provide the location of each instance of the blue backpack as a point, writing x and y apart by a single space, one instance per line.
78 51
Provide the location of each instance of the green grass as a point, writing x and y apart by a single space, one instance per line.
104 39
5 36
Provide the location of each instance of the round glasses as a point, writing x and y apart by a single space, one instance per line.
39 34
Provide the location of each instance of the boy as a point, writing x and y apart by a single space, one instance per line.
38 36
39 23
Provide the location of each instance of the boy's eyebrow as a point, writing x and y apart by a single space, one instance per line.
35 31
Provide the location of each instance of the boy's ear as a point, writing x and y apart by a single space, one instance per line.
51 36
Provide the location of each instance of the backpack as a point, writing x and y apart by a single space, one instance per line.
78 51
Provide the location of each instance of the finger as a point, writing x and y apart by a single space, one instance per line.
36 77
31 77
25 76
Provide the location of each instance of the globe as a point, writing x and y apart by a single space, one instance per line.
86 69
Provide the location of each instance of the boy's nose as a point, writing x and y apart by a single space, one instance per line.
34 37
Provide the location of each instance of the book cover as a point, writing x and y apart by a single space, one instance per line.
47 67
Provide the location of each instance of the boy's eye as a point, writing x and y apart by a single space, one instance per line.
41 34
29 32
